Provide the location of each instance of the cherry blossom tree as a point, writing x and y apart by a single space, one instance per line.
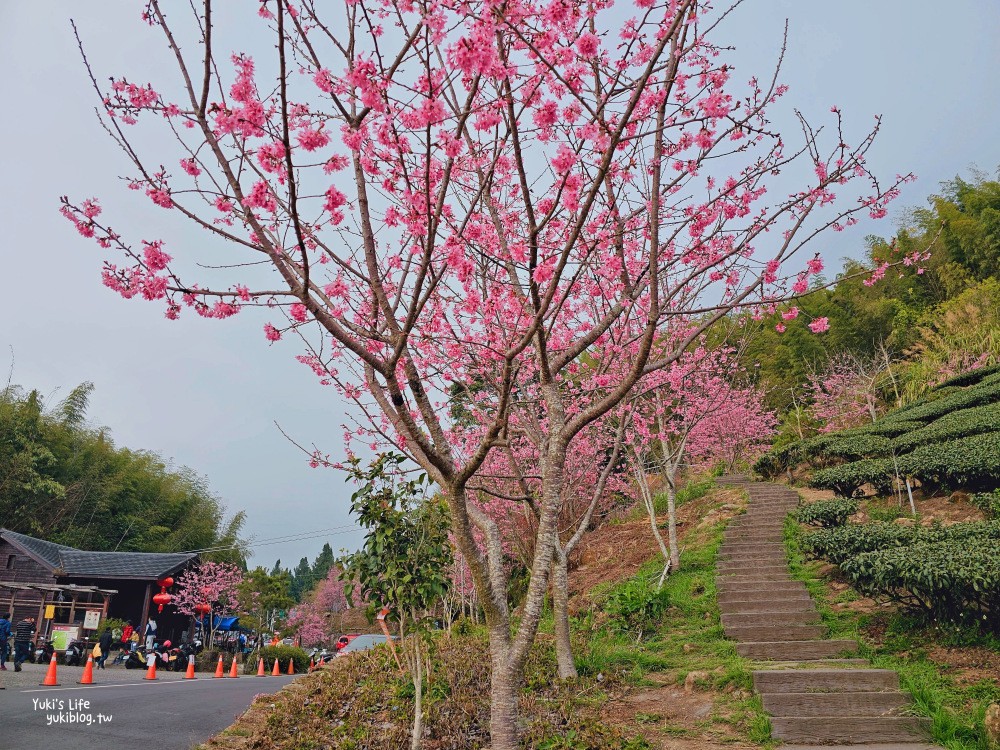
845 392
695 410
211 583
505 194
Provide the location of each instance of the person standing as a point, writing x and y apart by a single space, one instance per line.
150 633
22 641
4 637
105 644
127 633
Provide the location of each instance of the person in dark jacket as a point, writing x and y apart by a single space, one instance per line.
22 641
105 644
4 637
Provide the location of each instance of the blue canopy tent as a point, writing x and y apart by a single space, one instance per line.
220 624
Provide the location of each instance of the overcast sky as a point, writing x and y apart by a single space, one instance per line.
207 393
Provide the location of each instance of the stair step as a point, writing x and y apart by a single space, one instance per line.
766 633
757 577
852 663
855 703
742 597
849 729
764 619
751 566
795 650
725 586
824 680
774 607
757 547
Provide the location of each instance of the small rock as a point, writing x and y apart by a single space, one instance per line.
991 725
688 648
741 694
692 677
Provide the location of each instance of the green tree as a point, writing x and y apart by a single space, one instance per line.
404 561
324 561
302 579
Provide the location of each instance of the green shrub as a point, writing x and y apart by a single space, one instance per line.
778 460
847 479
972 462
956 580
957 424
988 503
282 654
826 513
637 605
844 542
855 446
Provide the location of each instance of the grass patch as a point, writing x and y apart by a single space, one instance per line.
956 709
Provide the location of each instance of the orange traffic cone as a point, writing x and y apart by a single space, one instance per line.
50 676
276 670
233 672
312 664
219 668
260 668
88 672
291 666
322 662
151 668
189 675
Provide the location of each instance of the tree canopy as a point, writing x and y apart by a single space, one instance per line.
63 480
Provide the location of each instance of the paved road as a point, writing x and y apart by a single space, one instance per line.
165 715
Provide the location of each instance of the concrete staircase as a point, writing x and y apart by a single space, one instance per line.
816 693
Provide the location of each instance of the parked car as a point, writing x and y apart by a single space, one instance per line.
361 643
344 640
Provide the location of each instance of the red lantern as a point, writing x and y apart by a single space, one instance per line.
165 583
202 609
161 599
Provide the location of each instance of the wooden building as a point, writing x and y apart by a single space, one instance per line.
58 585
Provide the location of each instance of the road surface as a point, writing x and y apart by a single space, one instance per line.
123 714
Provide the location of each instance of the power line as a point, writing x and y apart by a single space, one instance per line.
268 541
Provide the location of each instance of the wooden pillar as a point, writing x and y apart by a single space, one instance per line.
72 609
41 616
145 610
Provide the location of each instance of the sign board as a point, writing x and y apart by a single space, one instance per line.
92 619
50 611
62 635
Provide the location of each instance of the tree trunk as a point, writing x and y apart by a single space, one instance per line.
418 692
675 555
505 685
560 613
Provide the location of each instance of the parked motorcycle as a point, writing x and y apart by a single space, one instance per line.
74 656
42 654
136 659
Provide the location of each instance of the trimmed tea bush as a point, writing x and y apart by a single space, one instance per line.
950 580
826 513
847 479
844 542
855 446
972 462
957 424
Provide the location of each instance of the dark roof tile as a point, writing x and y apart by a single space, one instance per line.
74 563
